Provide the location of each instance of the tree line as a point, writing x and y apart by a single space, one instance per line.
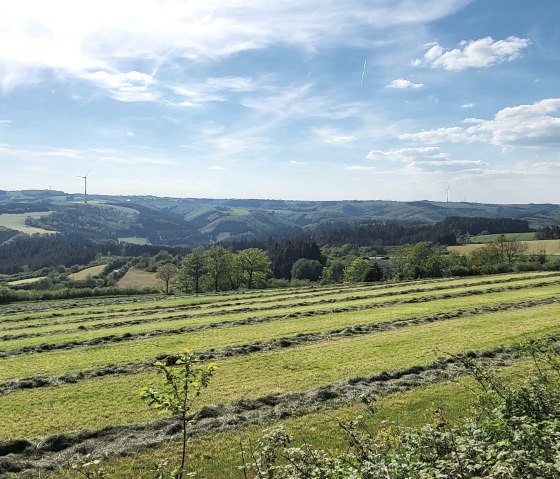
445 232
217 269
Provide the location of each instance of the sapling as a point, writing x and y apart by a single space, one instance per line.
184 382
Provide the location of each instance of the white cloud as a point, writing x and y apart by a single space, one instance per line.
523 125
359 168
403 84
297 163
5 122
475 53
448 165
407 154
467 105
216 168
526 125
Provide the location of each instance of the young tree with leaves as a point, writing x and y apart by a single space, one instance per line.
166 272
193 268
254 263
184 382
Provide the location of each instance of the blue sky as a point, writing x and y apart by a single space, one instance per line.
299 99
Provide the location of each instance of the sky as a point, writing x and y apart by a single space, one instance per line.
298 99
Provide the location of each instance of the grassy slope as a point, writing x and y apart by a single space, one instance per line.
551 247
510 236
88 272
56 362
135 278
239 311
217 456
115 400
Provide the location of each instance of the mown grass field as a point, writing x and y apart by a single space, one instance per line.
550 247
68 366
135 278
509 236
16 221
88 272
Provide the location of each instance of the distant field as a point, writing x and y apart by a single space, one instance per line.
17 222
298 356
135 278
88 272
551 247
510 236
134 240
21 282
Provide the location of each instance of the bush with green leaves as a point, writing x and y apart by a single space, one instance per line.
515 433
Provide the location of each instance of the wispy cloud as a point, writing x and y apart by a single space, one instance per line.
215 89
360 168
333 137
407 154
454 134
105 33
127 87
474 53
402 84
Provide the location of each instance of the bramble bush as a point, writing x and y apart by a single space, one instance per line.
515 433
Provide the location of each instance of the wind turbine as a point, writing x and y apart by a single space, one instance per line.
85 185
447 194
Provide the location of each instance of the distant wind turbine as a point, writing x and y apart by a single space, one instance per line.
85 185
447 194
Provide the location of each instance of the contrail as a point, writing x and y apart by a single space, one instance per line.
363 72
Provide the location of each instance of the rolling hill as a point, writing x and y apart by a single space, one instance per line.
191 221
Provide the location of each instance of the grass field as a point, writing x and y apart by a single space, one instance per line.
17 222
134 240
21 282
92 272
550 247
530 236
135 278
79 365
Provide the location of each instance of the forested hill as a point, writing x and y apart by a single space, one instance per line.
188 221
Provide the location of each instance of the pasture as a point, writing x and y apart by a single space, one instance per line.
135 278
88 272
16 221
71 371
549 247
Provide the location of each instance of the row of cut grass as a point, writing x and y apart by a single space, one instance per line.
217 455
90 357
181 319
115 400
165 303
